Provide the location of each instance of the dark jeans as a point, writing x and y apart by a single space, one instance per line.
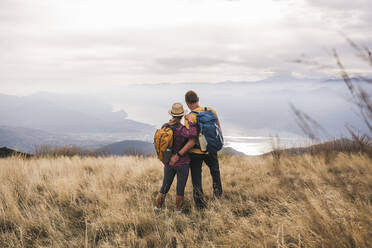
211 161
182 172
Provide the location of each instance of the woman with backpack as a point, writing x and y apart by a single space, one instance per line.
180 137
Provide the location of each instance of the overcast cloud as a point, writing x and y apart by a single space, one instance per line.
64 45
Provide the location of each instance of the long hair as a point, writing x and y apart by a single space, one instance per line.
175 120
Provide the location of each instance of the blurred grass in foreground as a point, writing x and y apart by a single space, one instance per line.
303 201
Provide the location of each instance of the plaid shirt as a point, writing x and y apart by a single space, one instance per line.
180 137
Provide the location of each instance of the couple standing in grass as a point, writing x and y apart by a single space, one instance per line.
193 143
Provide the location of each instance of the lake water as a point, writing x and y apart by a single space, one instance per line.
260 145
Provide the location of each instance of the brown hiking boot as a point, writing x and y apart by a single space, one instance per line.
159 201
179 203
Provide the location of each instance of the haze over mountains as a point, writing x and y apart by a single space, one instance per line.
66 114
58 119
132 112
248 108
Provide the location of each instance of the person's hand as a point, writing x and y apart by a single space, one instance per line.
173 159
189 118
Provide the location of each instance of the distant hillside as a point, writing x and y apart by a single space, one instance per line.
6 152
67 114
135 147
128 147
339 145
26 139
231 151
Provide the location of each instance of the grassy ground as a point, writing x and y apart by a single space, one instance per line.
108 202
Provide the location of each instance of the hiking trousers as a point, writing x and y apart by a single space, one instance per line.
211 160
182 172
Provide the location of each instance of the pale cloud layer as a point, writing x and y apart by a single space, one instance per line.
60 45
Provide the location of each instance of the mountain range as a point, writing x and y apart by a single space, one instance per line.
128 147
135 147
61 119
244 108
28 139
260 108
70 120
66 114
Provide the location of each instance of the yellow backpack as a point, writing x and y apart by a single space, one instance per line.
163 142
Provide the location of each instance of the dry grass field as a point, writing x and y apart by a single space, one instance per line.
303 201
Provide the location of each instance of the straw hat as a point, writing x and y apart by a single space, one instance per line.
177 110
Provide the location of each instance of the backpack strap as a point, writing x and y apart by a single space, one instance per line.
174 127
171 127
194 112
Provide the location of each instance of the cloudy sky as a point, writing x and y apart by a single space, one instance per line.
69 45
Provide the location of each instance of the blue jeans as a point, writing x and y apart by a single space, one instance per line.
182 172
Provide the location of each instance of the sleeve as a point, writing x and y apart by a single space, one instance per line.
188 132
187 124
